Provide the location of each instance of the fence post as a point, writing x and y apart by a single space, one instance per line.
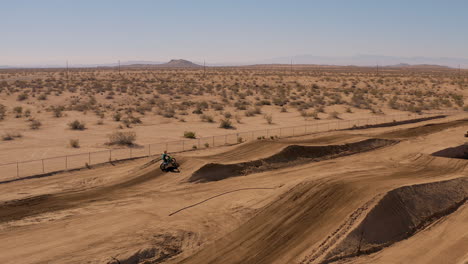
198 142
213 142
166 147
183 145
149 150
89 158
43 171
130 152
280 131
66 162
110 154
17 169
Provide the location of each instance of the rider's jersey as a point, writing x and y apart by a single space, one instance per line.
164 157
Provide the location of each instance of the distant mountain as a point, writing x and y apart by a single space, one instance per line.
366 60
171 64
140 63
357 60
425 66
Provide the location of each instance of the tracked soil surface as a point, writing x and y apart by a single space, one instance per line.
21 208
399 214
290 156
397 123
386 198
424 130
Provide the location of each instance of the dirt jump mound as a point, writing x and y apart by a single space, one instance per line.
289 156
399 214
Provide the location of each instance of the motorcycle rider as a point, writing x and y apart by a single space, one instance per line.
165 158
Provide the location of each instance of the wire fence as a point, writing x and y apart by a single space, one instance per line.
22 169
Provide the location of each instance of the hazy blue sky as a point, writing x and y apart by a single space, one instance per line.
103 31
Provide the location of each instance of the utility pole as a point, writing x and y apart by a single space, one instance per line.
291 65
67 74
377 69
204 68
119 67
460 82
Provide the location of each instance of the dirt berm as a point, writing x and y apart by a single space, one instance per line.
290 155
460 152
399 214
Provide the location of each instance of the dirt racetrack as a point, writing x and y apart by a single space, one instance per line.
377 195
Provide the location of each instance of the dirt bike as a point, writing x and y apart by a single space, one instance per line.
171 164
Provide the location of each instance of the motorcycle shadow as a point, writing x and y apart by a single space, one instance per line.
172 169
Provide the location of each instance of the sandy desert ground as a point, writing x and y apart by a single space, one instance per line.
37 106
356 196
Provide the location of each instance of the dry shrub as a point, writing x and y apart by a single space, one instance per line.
2 111
225 123
268 118
11 136
189 134
74 143
77 125
335 115
35 124
122 138
206 118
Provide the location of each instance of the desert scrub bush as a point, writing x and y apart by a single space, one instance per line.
238 118
11 136
197 111
464 109
3 111
42 97
253 111
122 138
74 143
207 145
335 115
458 99
58 110
249 112
35 124
268 118
132 120
227 115
206 118
218 107
189 134
225 123
77 125
168 113
18 111
117 116
22 97
306 114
